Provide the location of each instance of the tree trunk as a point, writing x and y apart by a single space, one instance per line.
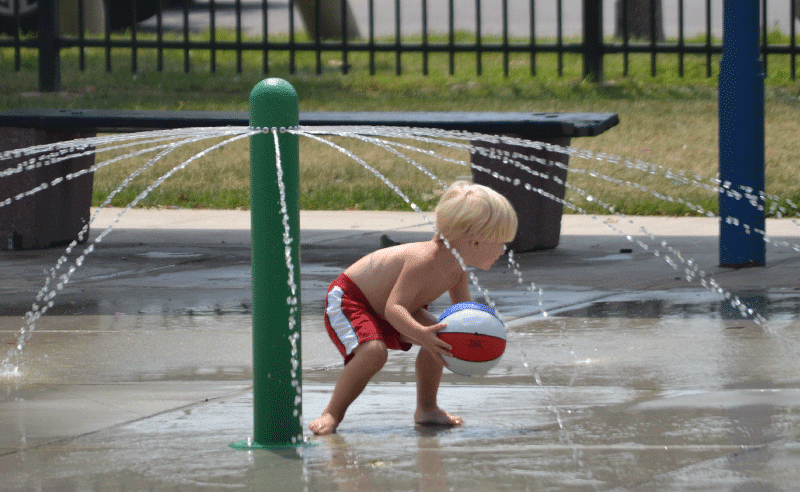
638 18
93 17
330 19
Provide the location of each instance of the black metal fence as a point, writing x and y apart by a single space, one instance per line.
314 35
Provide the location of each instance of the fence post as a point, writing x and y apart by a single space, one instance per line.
49 44
741 137
593 40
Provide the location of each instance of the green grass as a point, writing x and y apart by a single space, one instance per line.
666 120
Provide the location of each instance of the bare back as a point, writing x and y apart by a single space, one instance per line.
412 275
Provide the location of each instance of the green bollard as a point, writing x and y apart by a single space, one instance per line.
277 374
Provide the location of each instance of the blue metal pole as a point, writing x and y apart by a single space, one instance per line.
741 137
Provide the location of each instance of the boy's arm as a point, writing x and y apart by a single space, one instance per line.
415 328
406 317
460 292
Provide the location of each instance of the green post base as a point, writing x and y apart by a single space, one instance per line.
250 444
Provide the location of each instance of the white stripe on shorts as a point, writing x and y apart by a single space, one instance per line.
339 322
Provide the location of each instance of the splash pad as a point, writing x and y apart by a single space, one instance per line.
611 381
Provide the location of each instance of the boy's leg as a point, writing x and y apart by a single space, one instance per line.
368 359
429 375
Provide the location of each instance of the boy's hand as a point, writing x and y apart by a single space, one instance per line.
431 341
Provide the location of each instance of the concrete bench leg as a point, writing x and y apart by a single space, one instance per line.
51 217
539 216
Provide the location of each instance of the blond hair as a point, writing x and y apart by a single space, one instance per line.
475 211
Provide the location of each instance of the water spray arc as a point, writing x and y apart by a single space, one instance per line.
274 178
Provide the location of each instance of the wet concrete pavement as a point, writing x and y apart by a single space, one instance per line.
635 379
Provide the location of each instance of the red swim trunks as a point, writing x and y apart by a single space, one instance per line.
350 320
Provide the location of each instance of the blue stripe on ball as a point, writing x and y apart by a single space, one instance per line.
467 305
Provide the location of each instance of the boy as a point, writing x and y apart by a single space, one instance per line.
380 302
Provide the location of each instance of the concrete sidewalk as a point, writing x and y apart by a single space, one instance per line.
590 253
138 378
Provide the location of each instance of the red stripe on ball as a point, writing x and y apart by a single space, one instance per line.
474 347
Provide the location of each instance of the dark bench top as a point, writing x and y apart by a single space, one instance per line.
526 125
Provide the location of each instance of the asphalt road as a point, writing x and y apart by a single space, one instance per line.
464 17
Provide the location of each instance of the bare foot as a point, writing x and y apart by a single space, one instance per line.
437 416
324 425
